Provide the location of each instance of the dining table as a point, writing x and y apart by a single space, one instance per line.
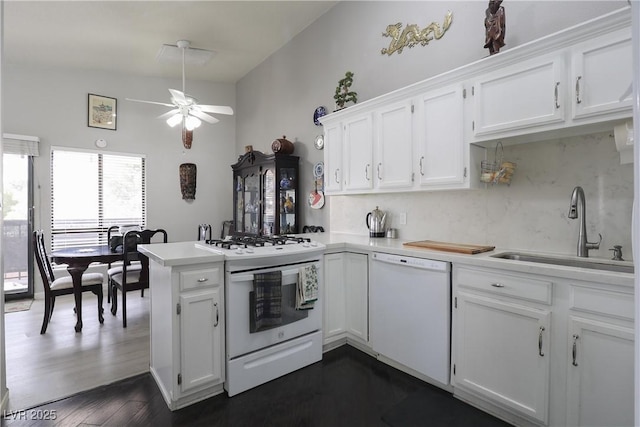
78 260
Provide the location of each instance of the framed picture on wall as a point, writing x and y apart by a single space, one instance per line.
102 112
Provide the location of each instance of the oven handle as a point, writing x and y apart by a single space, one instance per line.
249 277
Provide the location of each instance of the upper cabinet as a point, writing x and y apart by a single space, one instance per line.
518 97
602 75
430 135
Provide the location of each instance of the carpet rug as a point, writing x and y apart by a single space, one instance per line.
437 408
15 306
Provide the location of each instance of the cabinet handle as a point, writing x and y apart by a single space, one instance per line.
335 175
556 94
215 305
578 100
574 351
421 171
497 285
540 341
366 172
379 177
202 279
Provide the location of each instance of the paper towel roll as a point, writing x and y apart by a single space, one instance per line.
623 137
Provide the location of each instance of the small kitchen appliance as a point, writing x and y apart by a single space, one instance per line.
204 232
376 220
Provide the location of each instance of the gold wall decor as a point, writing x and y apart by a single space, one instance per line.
412 35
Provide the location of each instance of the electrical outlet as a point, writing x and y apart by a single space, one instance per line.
403 218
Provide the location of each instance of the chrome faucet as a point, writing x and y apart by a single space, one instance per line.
578 202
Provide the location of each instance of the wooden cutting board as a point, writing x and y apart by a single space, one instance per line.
450 247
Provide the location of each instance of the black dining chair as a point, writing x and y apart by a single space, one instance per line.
132 279
91 282
117 231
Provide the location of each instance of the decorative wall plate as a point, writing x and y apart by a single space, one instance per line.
318 169
320 111
319 142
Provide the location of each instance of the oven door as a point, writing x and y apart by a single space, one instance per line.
242 334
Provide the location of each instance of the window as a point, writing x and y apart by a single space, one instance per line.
91 191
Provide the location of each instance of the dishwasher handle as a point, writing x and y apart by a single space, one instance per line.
421 263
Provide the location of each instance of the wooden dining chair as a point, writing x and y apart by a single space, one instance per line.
115 268
132 279
91 282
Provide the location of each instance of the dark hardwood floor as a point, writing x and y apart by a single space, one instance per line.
347 388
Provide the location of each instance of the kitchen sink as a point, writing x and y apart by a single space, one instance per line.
569 262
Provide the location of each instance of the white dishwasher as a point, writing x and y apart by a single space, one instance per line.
410 312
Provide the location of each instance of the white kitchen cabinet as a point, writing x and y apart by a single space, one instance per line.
357 157
393 146
333 170
601 75
600 388
519 96
201 338
600 376
501 330
346 297
187 331
439 137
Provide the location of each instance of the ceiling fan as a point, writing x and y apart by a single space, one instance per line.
186 109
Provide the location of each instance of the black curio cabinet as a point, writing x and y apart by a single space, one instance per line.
265 194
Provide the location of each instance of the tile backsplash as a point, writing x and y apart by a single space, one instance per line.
530 214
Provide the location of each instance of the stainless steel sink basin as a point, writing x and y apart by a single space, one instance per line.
569 262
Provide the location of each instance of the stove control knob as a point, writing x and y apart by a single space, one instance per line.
239 251
314 243
249 250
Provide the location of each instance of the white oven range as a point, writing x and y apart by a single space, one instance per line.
258 353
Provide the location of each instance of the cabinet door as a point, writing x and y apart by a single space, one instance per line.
201 338
502 353
333 171
393 144
439 132
520 96
357 295
358 153
602 75
600 386
334 295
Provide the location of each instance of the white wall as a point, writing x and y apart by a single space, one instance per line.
279 97
52 104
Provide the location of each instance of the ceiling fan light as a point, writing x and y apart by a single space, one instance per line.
192 122
174 120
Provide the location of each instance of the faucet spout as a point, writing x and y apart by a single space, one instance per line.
577 209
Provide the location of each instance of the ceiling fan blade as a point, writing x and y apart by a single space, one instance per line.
207 118
169 113
179 97
151 102
217 109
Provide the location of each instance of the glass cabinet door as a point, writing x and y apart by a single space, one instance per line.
239 198
251 203
288 200
269 203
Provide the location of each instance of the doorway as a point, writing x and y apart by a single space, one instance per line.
17 170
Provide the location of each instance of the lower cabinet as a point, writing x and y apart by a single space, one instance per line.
187 332
346 297
543 350
600 381
501 343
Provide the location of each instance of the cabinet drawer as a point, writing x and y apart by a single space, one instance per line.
600 301
194 279
506 284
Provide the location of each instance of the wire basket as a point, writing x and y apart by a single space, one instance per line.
498 171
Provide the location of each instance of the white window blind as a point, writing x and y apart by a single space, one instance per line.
91 191
20 144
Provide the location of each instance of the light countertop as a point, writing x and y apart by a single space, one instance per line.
340 242
179 253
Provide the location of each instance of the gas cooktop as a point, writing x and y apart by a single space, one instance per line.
234 247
